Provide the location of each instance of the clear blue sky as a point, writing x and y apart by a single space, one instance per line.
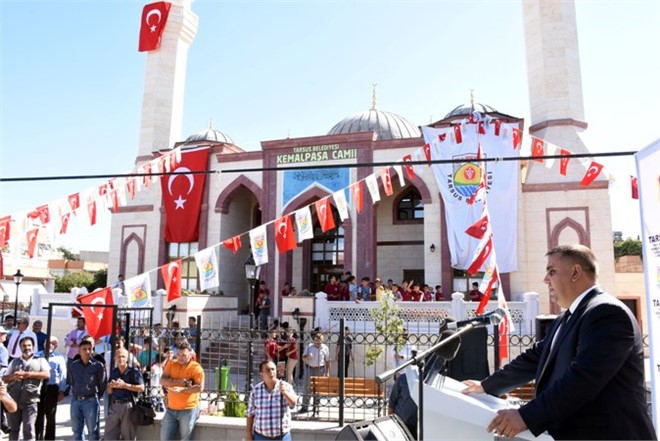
72 80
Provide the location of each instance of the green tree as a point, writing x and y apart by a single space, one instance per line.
100 279
67 254
387 322
74 280
628 247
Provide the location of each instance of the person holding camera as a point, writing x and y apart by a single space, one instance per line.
184 380
124 385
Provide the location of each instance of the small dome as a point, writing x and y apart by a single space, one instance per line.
210 134
467 109
386 124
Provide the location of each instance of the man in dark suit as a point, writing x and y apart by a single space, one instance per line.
588 369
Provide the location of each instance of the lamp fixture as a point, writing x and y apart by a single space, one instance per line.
432 248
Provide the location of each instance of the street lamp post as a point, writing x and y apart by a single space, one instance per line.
18 278
252 272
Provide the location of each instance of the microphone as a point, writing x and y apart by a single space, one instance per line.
491 318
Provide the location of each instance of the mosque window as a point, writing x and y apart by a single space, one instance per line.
409 207
189 269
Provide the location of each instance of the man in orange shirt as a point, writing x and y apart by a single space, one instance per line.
184 380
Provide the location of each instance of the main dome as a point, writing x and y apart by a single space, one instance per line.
210 134
468 109
387 125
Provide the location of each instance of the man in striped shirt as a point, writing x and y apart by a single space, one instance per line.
269 407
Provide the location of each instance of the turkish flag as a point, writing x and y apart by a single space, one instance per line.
130 186
357 193
324 212
5 230
32 241
115 200
481 258
592 173
498 127
233 244
427 152
458 134
442 137
479 229
537 149
634 188
97 319
409 168
387 181
42 212
563 162
487 292
146 178
154 18
74 201
285 238
182 196
517 138
91 210
482 129
103 193
172 277
65 223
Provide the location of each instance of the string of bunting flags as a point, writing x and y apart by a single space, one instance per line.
116 191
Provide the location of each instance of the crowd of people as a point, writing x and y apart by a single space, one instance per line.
366 290
34 382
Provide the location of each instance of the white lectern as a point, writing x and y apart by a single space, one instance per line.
452 415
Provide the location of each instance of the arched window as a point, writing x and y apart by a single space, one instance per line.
409 207
189 268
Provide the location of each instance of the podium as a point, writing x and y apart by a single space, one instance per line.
451 415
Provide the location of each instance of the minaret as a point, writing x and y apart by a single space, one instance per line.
136 243
556 209
164 82
555 83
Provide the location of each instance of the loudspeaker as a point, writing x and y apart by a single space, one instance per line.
471 361
388 428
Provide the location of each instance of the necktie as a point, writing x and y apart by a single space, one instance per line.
562 324
13 348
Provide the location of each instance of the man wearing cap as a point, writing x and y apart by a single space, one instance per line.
24 376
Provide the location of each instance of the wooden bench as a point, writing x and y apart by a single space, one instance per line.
525 392
353 387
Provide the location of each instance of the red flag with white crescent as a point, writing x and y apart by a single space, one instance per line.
409 168
498 127
479 260
32 241
634 189
357 194
91 211
592 173
234 244
146 179
74 201
285 237
481 128
154 18
98 320
387 181
563 162
182 196
324 213
458 134
130 186
65 223
427 152
171 273
479 229
517 138
537 149
5 230
42 213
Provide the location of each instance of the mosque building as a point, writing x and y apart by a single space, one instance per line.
402 237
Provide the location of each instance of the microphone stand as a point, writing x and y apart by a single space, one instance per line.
419 361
